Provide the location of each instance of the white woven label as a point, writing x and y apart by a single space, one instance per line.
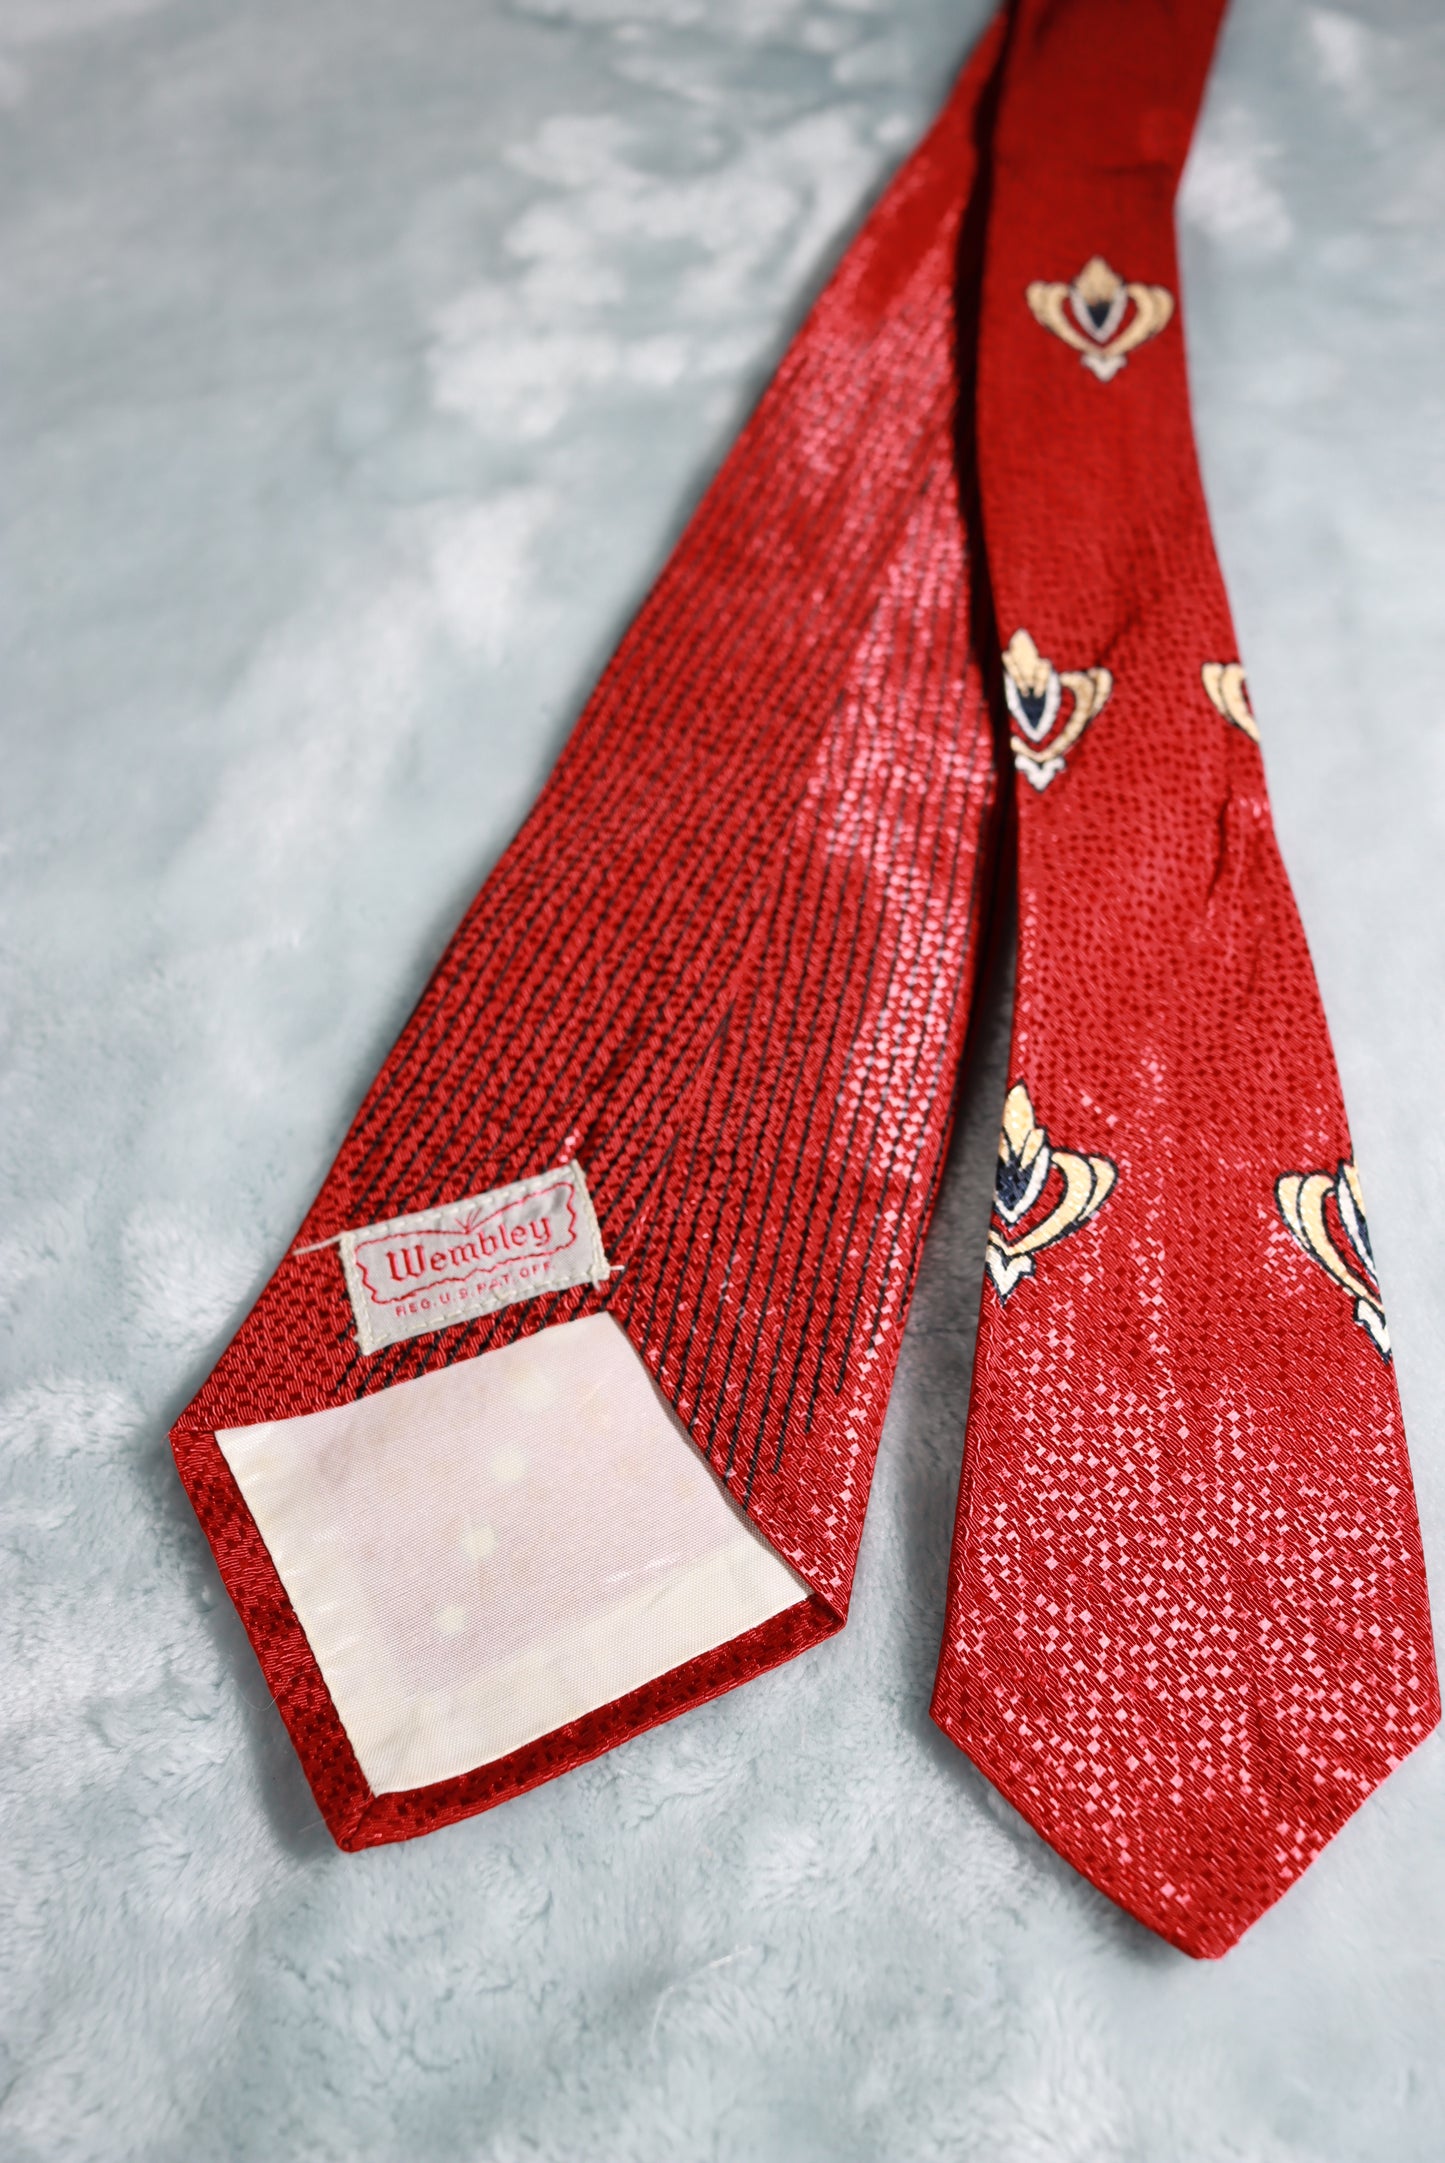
449 1265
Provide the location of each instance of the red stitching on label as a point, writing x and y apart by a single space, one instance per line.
415 1261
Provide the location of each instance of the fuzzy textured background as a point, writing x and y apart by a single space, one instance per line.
359 363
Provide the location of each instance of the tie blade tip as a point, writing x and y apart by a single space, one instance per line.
1209 1880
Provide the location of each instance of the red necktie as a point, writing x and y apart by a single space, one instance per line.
560 1414
1187 1629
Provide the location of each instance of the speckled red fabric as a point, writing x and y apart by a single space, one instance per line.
727 967
1187 1625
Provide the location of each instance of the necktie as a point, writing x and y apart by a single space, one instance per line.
1187 1626
560 1413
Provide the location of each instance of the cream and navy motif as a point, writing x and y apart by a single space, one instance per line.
1224 682
1041 1194
1101 316
1034 692
1327 1217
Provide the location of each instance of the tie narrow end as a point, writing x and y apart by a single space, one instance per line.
1194 1874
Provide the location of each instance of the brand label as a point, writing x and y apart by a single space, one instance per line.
449 1265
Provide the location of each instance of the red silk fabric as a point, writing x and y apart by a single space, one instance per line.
1187 1627
727 966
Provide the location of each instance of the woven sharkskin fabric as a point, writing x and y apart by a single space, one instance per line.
726 967
1187 1627
725 972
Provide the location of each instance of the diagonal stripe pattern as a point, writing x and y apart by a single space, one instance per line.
726 966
